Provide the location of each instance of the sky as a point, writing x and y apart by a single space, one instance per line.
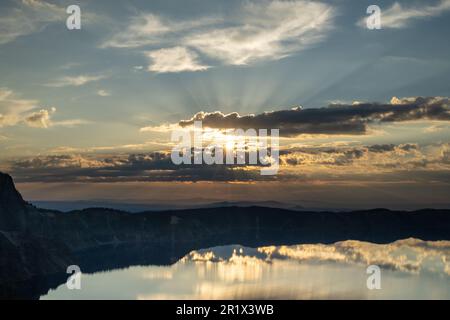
363 114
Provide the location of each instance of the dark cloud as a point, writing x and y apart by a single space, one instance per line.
341 156
409 147
380 148
335 119
296 163
155 166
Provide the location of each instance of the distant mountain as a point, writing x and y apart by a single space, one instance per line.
244 204
135 207
67 206
36 242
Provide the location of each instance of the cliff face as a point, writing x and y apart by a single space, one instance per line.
8 192
12 206
24 251
24 256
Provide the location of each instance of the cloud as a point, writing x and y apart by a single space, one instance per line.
367 158
176 59
154 166
15 110
144 29
161 128
399 16
253 31
27 17
267 30
148 29
75 81
402 162
69 123
103 93
336 119
39 119
436 128
42 119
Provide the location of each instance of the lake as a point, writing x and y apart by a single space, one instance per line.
409 269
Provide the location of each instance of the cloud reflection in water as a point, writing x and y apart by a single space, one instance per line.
411 269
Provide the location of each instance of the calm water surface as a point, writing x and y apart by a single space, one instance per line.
410 269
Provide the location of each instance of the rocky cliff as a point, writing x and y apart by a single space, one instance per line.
25 253
12 206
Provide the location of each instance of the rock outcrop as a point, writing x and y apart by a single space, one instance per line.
12 206
25 253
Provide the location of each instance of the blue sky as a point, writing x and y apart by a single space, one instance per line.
141 64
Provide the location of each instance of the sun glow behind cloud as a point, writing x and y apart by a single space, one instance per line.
99 105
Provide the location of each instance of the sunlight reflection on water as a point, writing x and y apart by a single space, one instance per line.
411 269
